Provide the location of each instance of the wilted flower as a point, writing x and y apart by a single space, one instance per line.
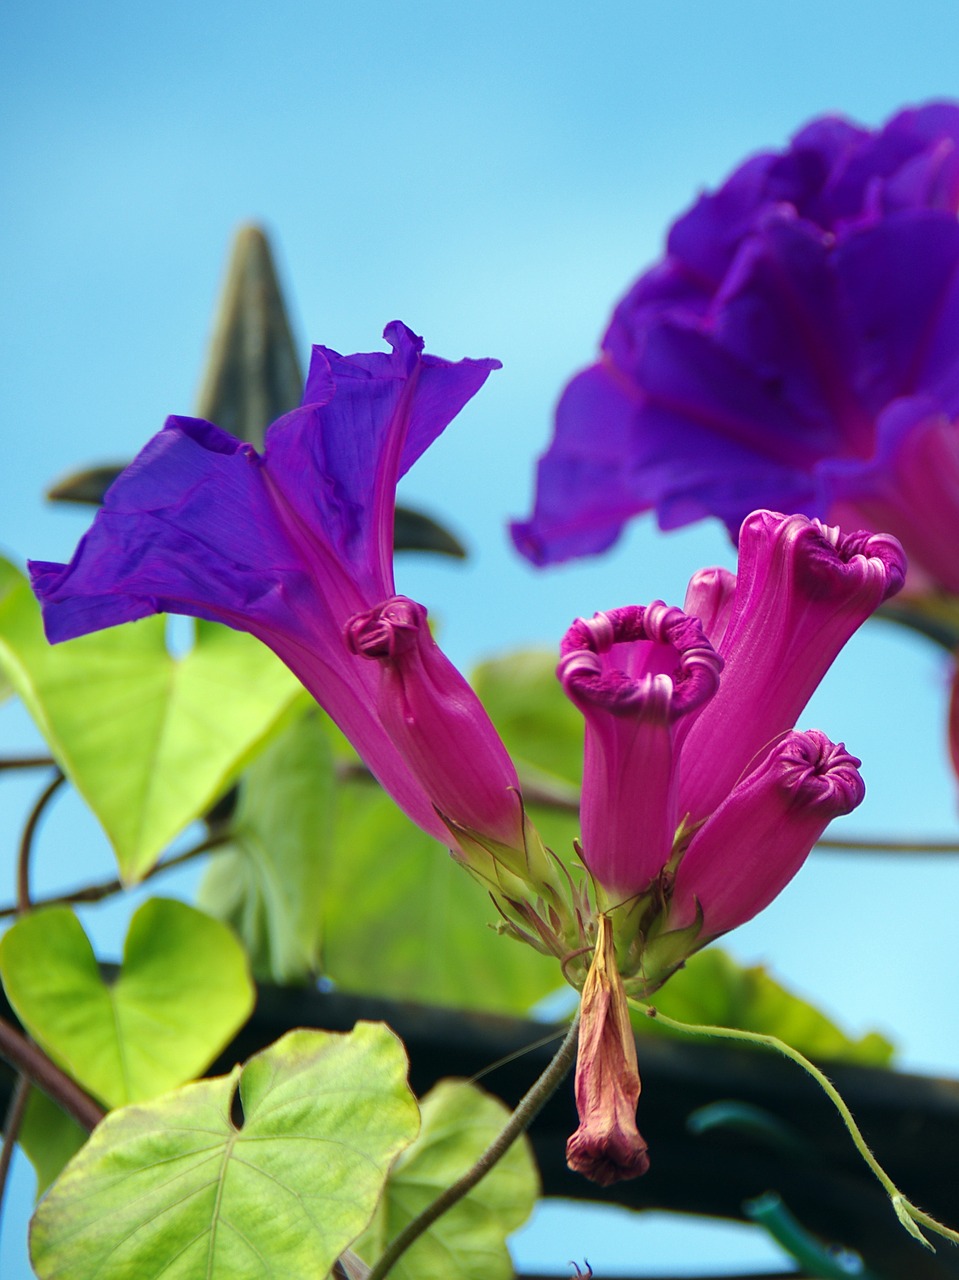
700 802
797 348
607 1147
296 547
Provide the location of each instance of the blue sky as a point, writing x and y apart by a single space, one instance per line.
494 175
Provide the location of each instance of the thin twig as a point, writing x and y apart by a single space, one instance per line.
26 840
864 845
31 1061
11 1130
26 762
106 888
528 1108
563 799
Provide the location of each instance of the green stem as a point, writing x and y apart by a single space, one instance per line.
526 1112
907 1213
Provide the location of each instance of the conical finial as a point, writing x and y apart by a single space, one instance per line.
252 373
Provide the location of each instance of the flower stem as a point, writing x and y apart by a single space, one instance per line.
907 1213
107 888
526 1112
26 840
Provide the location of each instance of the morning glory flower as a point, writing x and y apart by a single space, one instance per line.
296 547
796 348
700 801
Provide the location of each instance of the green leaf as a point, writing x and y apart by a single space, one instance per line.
173 1189
149 740
182 993
401 918
540 726
268 884
469 1241
713 989
49 1138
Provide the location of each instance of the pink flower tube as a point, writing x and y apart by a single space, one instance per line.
633 672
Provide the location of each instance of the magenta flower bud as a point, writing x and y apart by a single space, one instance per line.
801 592
752 846
633 672
709 597
437 723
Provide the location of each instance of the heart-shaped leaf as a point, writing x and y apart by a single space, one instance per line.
182 993
469 1241
174 1189
149 740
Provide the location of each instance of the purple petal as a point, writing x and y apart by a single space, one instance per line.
338 470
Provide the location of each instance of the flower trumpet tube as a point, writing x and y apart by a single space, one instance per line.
607 1147
437 723
633 672
295 546
749 849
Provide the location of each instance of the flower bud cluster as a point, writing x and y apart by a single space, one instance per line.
700 799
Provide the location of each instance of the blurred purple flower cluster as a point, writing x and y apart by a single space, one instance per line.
797 348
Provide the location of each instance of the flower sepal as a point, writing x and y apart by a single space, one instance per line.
538 899
665 951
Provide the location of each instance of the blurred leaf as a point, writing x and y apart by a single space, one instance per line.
281 1195
402 919
539 725
149 740
86 487
10 581
269 883
181 994
49 1138
714 989
413 531
469 1241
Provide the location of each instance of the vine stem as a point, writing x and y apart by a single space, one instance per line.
526 1111
32 1062
26 840
106 888
11 1129
907 1213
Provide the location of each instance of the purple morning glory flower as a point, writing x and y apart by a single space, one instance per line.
296 547
698 795
797 348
